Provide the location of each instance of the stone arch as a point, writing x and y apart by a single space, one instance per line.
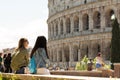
106 52
51 55
109 14
76 24
61 27
85 20
95 49
75 53
66 54
52 29
84 50
68 25
97 20
49 28
60 55
55 55
56 28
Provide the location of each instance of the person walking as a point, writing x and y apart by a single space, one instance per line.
39 52
20 59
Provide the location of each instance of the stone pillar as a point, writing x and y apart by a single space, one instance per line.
71 53
103 21
50 55
59 27
57 56
79 53
90 50
72 24
49 30
80 22
63 55
54 29
64 26
90 21
117 70
53 55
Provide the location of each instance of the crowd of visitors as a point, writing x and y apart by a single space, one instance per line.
22 62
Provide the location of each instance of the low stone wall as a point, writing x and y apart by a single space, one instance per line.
78 73
37 77
103 73
48 77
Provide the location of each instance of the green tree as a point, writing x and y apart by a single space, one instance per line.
115 43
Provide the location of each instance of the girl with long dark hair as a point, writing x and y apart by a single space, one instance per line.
20 59
40 52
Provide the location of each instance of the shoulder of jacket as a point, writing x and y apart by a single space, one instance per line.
40 49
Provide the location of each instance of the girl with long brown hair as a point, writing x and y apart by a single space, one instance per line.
20 58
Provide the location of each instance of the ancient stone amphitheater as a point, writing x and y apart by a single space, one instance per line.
80 27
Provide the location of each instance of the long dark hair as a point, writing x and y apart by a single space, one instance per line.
21 43
41 42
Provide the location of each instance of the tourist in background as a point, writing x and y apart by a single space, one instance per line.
7 62
99 62
1 63
90 65
20 59
39 52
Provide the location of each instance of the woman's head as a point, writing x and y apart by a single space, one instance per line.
99 54
41 42
23 43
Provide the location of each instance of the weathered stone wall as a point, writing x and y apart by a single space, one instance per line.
83 28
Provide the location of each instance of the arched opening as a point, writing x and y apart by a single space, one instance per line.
84 50
87 51
85 22
95 49
68 25
85 1
56 28
76 24
61 27
107 51
97 20
60 56
99 49
52 55
75 54
109 14
53 30
55 55
66 54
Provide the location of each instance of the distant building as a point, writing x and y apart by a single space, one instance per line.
8 50
11 50
80 27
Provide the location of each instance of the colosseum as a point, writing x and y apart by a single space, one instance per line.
80 27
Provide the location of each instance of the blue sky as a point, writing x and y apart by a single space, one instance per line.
22 18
